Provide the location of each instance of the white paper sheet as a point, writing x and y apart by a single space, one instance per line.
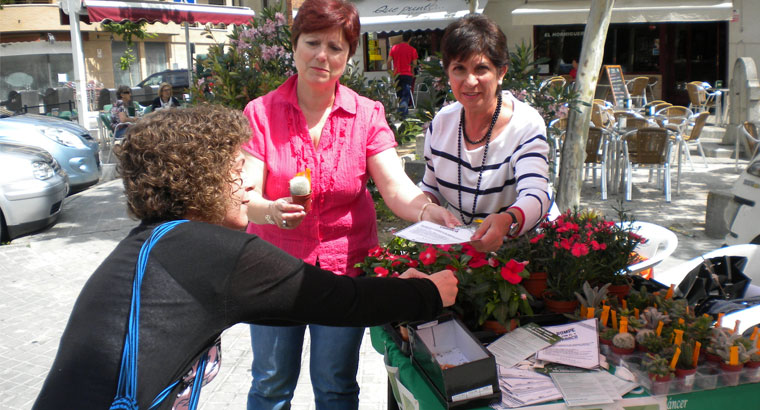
428 232
579 346
520 343
581 388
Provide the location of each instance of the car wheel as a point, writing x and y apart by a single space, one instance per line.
3 229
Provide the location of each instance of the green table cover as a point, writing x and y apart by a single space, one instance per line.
744 396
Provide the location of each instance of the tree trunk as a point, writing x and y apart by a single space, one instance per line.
574 147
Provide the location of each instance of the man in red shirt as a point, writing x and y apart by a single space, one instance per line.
403 58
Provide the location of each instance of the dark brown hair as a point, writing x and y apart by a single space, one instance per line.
121 90
474 34
178 161
318 15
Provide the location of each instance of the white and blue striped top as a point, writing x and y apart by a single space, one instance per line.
515 175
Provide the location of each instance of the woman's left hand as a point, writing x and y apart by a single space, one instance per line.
490 234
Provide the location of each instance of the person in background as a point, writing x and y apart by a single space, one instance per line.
403 58
574 71
205 275
165 98
487 153
313 122
123 112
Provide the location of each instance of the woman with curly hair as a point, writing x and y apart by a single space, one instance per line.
206 274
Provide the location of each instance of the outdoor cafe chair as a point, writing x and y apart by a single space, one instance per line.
747 136
597 154
553 82
700 96
637 88
692 138
602 116
647 147
556 136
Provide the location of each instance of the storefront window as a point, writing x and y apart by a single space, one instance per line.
121 77
34 72
377 46
155 57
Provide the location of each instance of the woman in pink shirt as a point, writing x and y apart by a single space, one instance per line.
312 122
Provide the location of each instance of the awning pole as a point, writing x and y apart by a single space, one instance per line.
189 55
79 72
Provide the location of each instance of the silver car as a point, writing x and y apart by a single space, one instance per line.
32 189
69 143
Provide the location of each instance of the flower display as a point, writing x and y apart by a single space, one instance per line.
489 283
582 246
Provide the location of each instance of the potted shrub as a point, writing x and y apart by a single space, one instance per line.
605 337
623 343
582 245
659 372
724 344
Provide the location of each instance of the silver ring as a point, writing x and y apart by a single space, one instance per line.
284 224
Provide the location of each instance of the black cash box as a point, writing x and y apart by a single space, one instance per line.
461 372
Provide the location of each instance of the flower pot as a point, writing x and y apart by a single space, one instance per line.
536 284
621 291
707 378
559 306
711 357
496 327
660 384
607 342
731 373
685 379
640 347
752 372
622 351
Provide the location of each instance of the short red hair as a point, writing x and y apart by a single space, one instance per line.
318 15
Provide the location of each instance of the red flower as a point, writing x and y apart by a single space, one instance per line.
493 262
537 238
428 256
579 249
413 264
565 243
444 248
381 272
511 271
477 262
376 251
598 246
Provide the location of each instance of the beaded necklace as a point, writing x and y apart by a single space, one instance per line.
487 138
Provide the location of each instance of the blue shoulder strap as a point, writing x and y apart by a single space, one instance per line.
126 392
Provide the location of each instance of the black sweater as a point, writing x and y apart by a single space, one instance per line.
200 280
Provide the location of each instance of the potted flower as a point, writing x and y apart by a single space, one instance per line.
489 284
752 366
660 373
580 246
733 354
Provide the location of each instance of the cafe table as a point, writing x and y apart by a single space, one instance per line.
743 396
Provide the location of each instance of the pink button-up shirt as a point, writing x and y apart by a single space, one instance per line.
341 226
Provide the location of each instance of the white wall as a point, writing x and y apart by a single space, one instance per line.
744 34
500 11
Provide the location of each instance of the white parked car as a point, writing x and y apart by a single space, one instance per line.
744 217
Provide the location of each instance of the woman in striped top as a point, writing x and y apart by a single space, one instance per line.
487 153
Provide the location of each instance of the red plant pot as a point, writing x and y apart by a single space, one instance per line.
560 306
731 373
711 357
607 342
622 351
499 329
685 379
536 284
621 291
752 372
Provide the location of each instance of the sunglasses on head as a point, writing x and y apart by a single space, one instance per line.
126 92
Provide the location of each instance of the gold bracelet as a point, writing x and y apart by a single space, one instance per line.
419 217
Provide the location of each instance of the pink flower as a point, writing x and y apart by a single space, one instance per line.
428 256
579 249
381 272
511 271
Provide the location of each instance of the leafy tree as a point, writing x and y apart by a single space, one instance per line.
128 30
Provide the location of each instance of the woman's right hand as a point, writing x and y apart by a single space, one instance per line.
444 280
286 214
440 215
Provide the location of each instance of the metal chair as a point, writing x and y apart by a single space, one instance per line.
555 134
597 154
674 118
649 147
637 88
692 139
747 136
700 96
553 82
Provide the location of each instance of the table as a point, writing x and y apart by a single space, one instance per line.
743 396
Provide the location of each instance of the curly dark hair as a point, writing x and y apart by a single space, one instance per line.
175 162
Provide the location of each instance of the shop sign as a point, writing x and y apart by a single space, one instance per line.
371 8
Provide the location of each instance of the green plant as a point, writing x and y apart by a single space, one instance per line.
658 366
608 333
699 329
127 30
489 284
685 359
592 297
651 317
655 344
580 246
640 299
624 341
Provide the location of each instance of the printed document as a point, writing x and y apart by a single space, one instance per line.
429 232
521 343
579 346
